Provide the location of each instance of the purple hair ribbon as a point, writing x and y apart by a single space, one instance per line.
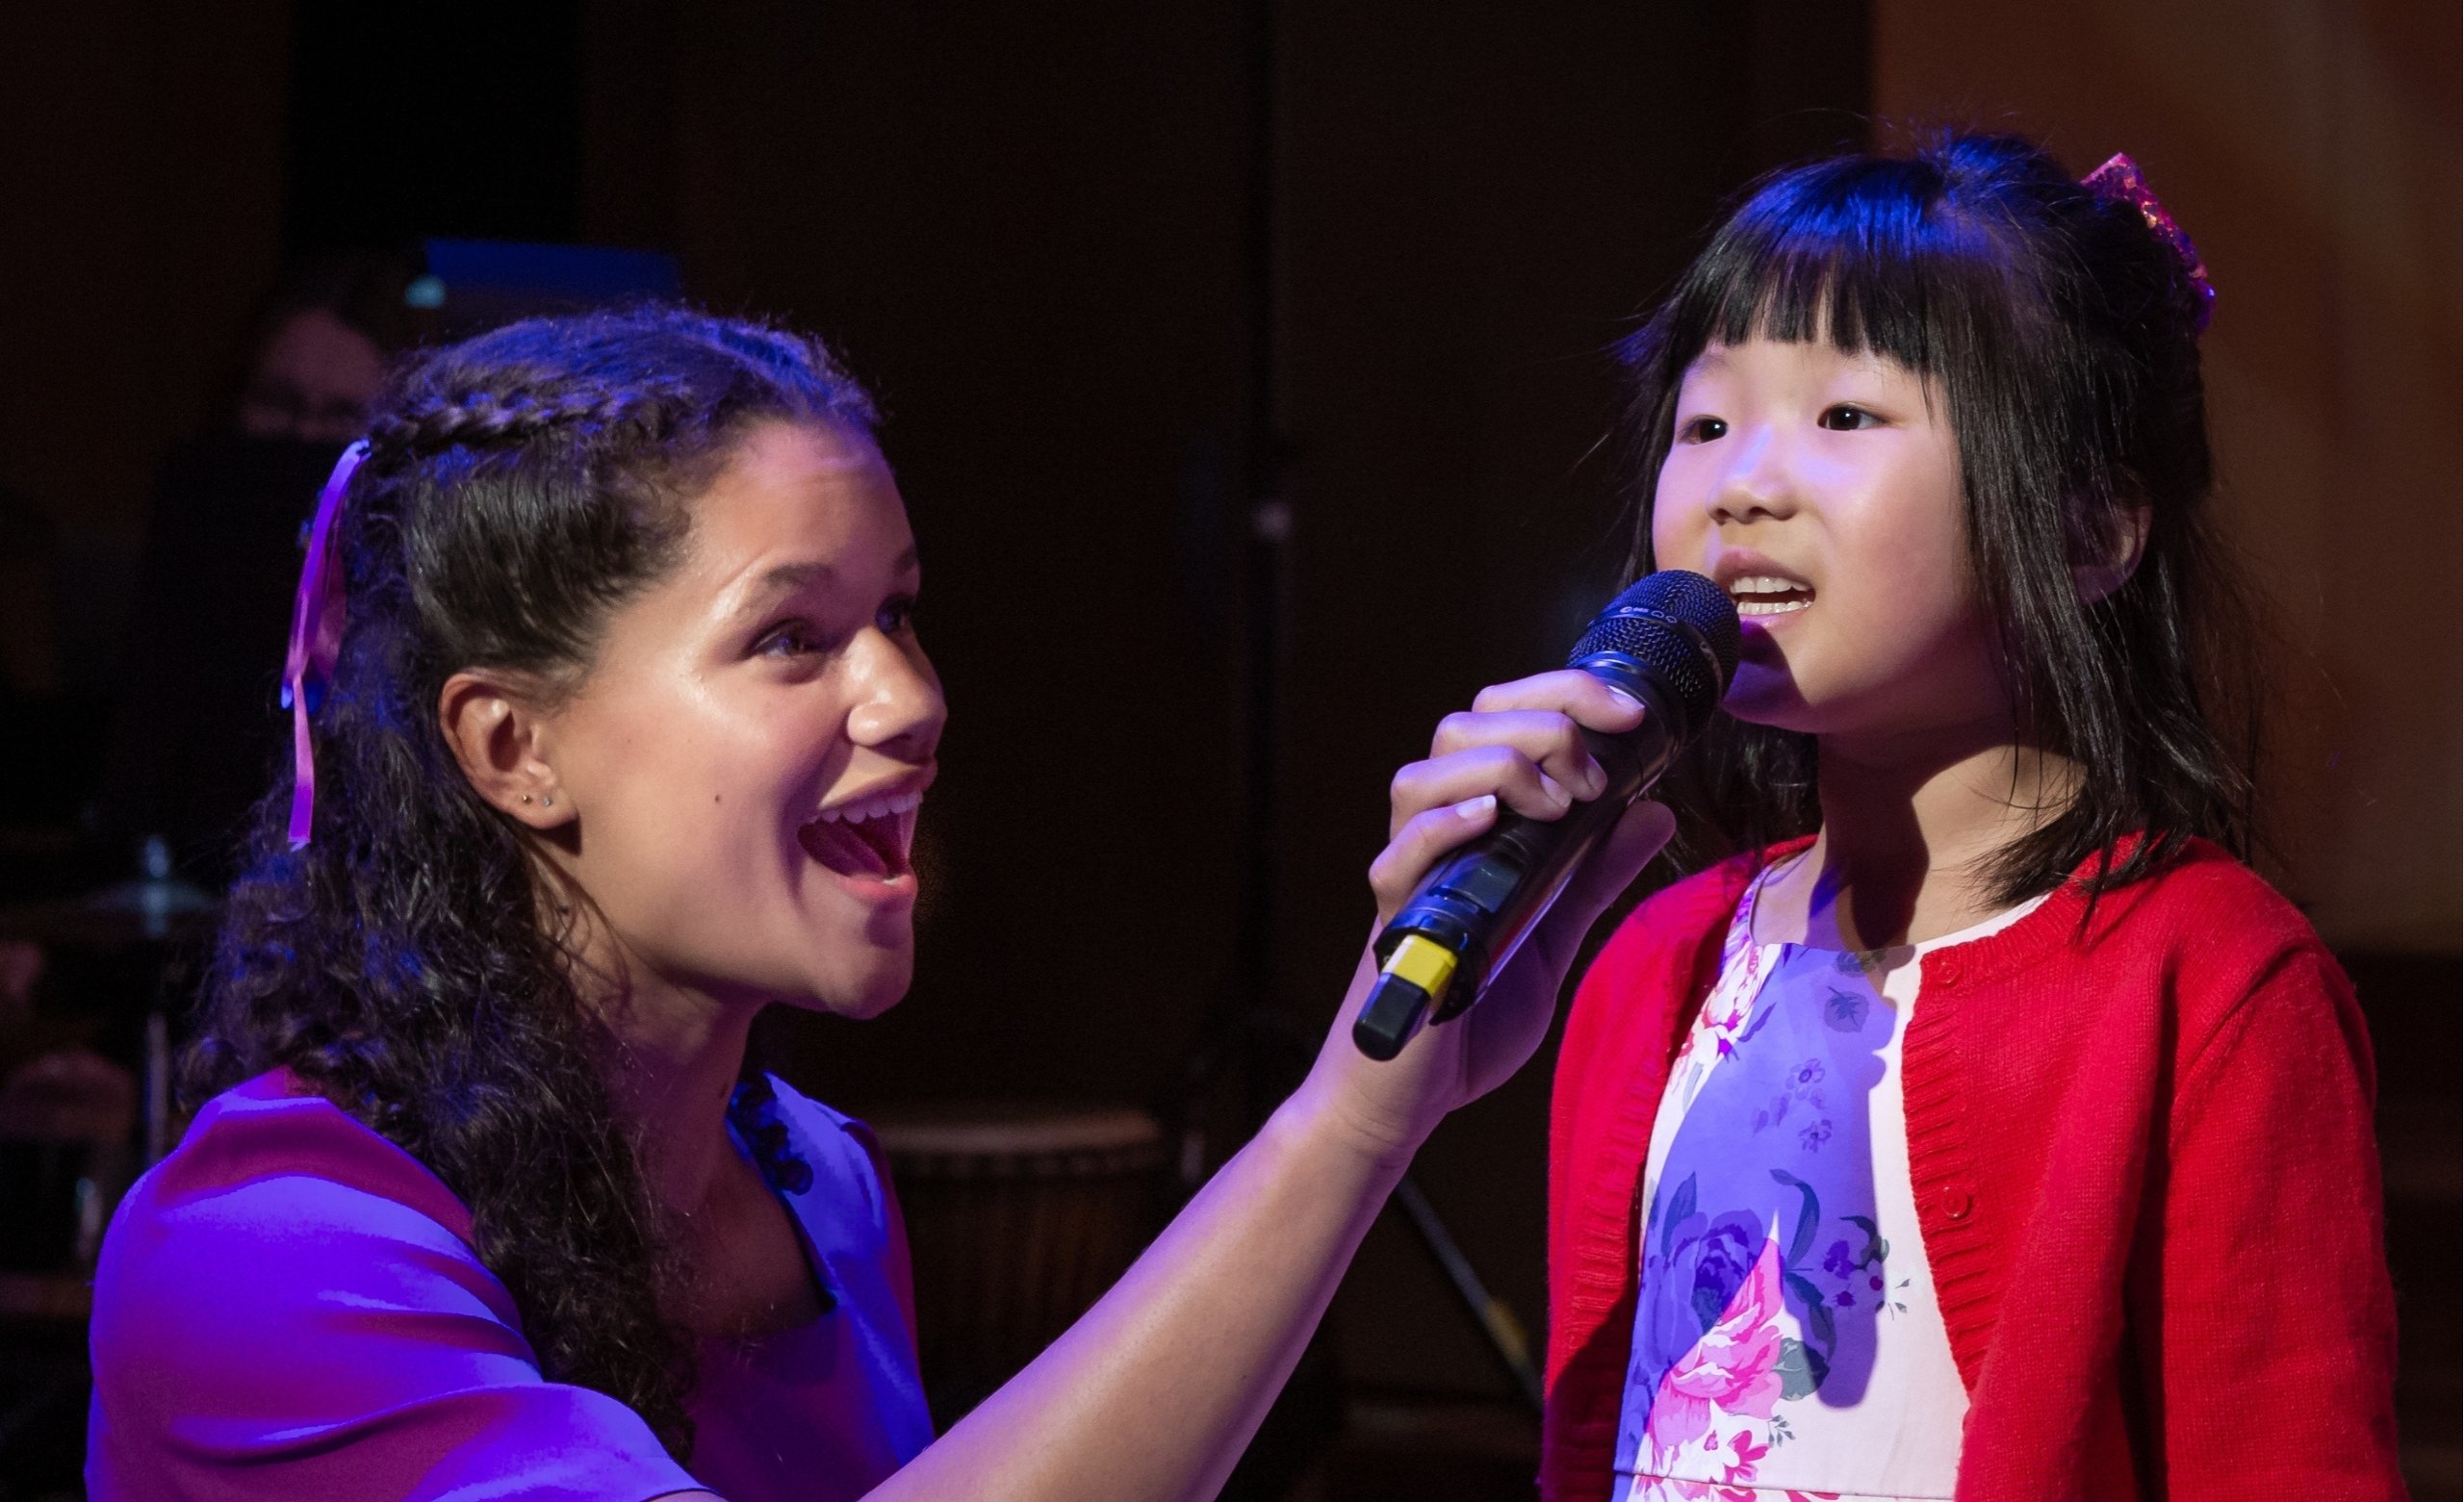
316 639
2120 178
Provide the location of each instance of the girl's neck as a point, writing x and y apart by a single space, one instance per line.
676 1053
1910 833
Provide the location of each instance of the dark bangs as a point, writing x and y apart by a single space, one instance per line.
1846 249
2061 331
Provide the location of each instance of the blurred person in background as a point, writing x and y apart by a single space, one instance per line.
196 735
318 354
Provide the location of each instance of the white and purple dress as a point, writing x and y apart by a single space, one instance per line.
1787 1340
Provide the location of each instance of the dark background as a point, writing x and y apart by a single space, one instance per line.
1115 271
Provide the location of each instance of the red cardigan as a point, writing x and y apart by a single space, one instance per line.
2145 1177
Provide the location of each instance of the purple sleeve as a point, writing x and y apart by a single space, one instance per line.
286 1308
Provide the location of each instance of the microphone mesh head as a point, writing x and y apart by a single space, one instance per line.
1680 629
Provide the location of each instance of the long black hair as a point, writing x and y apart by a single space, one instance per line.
407 964
2064 332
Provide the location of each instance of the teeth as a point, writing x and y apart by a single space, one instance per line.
882 806
1768 594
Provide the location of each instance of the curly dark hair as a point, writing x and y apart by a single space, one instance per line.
2065 335
410 963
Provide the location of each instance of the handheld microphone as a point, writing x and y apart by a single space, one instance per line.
1670 641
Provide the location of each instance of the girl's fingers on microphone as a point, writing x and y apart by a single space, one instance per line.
1417 846
1571 692
1443 780
1546 737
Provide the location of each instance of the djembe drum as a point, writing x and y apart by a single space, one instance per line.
1018 1218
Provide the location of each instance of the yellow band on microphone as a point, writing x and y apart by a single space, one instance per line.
1424 963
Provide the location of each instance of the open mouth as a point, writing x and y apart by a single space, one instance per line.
867 839
1768 594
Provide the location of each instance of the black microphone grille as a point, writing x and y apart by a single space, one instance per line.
1680 629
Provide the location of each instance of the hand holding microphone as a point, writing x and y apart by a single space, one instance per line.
1668 644
1540 781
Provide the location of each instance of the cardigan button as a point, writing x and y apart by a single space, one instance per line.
1957 1202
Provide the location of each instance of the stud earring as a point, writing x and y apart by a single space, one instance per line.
525 798
548 802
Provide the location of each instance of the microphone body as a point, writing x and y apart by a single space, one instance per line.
1670 642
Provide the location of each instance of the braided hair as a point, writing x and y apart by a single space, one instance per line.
407 963
2064 332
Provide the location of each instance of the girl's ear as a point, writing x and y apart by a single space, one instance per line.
501 739
2122 549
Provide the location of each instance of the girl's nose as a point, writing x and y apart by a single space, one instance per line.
899 709
1757 484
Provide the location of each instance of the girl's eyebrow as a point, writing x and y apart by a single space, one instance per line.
784 579
780 581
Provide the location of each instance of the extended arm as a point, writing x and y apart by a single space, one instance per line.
1156 1392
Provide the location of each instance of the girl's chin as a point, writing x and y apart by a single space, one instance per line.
1764 696
863 1008
858 998
854 965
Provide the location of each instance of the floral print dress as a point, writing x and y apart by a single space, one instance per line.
1787 1340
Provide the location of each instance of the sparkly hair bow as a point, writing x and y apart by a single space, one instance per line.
2120 178
316 639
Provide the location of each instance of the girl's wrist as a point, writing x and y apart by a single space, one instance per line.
1332 1116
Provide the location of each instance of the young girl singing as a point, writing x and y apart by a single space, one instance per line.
1986 1129
611 729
